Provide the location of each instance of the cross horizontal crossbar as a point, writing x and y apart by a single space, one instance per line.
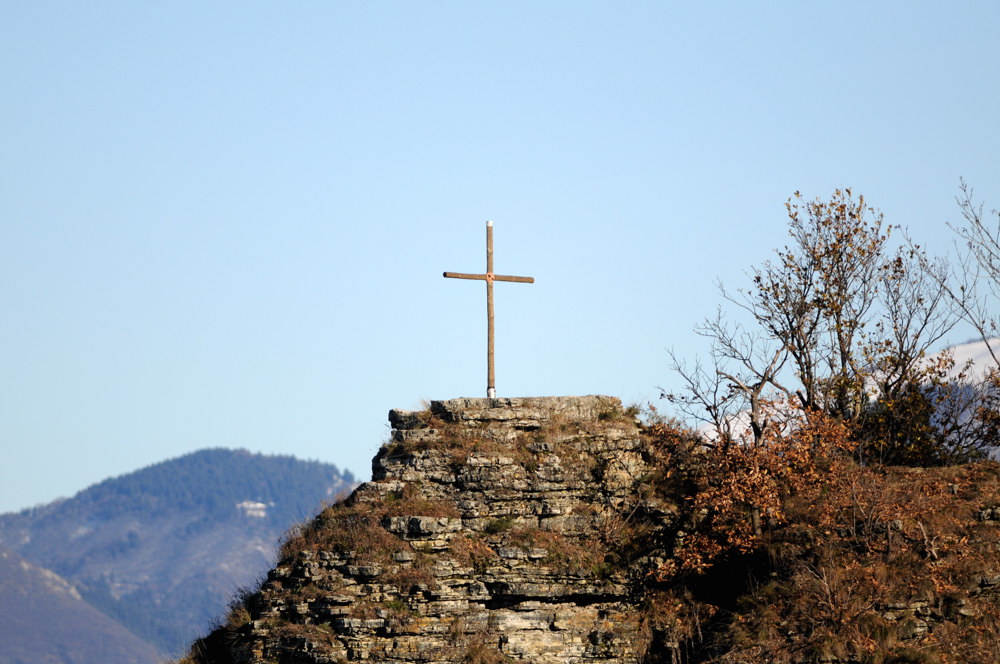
486 277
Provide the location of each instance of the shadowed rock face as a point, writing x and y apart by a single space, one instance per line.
487 533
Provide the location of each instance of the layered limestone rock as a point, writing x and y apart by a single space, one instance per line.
558 530
489 532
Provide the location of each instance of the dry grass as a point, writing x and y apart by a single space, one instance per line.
346 529
411 502
472 552
481 653
569 555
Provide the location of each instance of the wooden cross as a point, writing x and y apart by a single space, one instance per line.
489 278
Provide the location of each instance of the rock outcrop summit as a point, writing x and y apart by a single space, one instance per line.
483 535
564 531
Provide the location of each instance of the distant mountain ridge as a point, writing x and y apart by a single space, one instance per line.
63 628
161 550
212 479
974 355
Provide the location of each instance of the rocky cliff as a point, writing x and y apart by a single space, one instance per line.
484 534
545 530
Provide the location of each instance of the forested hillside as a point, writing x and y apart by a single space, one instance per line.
162 549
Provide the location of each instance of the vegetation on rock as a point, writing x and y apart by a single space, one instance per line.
797 553
620 542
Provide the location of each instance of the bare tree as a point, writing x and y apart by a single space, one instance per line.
818 296
845 321
811 304
914 316
705 398
742 380
974 284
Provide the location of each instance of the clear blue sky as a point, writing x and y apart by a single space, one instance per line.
224 224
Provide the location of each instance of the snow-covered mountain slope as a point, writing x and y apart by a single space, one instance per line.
976 355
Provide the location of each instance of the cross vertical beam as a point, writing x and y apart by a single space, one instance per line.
491 385
489 278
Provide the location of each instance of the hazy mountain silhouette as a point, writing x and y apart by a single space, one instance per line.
44 620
